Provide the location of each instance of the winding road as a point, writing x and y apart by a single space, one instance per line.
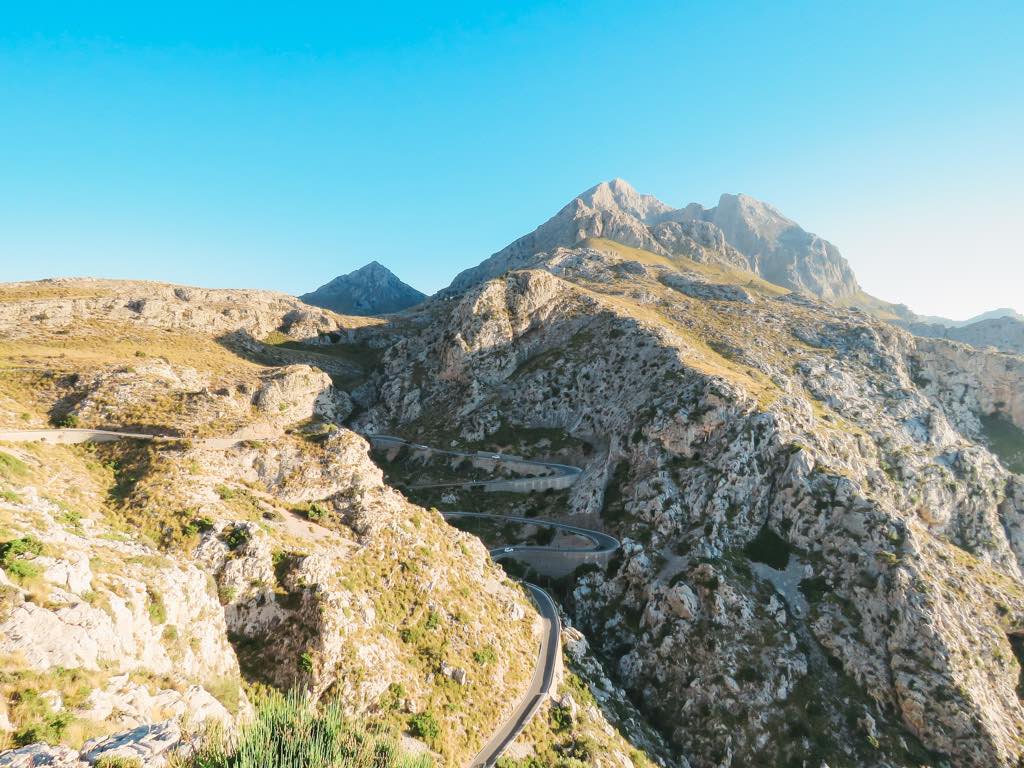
550 650
551 644
559 476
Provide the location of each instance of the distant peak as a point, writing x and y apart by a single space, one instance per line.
372 289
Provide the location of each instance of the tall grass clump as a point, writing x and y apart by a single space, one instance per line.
288 731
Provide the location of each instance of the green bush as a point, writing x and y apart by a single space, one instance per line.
37 721
561 719
424 725
225 492
155 606
289 732
11 560
485 656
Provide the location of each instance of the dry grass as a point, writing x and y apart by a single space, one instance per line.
95 343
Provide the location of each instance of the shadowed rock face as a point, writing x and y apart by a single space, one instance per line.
370 290
740 232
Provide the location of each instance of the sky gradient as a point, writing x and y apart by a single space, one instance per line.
277 150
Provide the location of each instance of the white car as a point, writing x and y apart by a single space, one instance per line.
496 456
510 549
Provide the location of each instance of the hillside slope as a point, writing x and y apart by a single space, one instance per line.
149 588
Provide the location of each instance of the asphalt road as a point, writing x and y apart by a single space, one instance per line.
563 470
71 435
602 542
550 646
74 435
540 685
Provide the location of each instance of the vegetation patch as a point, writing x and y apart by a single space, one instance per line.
769 548
288 732
13 555
12 466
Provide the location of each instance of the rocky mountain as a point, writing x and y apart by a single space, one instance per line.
151 589
740 232
820 513
369 290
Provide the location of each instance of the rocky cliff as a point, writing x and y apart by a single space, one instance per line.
822 558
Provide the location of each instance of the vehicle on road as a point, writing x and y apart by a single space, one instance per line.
509 549
496 456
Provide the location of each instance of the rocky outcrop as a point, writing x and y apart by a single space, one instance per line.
61 303
160 397
369 290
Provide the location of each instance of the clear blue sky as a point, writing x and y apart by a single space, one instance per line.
205 144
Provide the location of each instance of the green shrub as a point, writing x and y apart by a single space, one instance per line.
289 732
561 719
424 726
306 662
225 492
485 656
37 721
235 537
203 524
11 559
155 606
22 569
67 421
316 513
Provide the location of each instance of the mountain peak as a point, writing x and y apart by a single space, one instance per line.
741 232
620 196
373 289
